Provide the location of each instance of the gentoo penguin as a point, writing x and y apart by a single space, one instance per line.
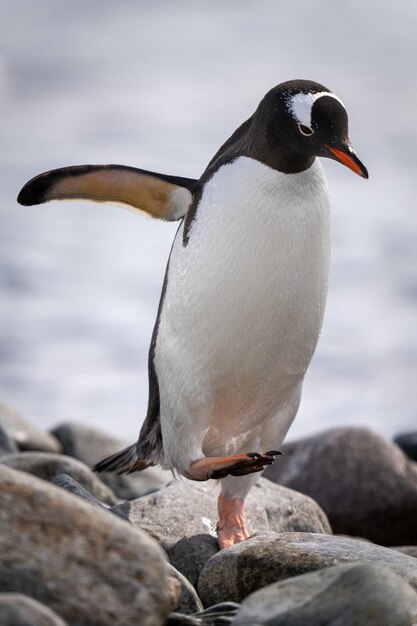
244 293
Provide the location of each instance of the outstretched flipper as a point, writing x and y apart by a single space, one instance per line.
157 195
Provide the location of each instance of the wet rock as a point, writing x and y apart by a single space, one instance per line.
91 446
357 593
25 434
188 600
19 610
408 444
365 484
7 444
182 517
91 568
47 466
236 572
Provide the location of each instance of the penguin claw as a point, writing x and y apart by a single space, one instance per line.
256 462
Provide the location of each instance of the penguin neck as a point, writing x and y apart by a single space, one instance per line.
252 140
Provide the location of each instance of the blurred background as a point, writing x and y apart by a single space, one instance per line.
160 85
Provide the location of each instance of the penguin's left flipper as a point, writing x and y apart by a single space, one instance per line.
157 195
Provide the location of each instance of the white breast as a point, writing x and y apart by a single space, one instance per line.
243 307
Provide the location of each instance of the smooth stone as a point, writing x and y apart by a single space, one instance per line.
7 444
344 595
364 483
182 517
25 434
238 571
69 484
47 466
19 610
88 566
408 444
188 600
91 445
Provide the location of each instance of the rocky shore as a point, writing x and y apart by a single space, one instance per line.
334 541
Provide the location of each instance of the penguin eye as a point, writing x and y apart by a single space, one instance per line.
305 130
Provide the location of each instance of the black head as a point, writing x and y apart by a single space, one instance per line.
299 120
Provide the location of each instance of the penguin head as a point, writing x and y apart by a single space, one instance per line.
305 119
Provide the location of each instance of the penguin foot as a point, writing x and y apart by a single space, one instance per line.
231 527
235 465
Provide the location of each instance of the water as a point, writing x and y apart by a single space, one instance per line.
161 85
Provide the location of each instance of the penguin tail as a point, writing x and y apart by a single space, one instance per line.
126 461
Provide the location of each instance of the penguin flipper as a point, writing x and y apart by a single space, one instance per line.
157 195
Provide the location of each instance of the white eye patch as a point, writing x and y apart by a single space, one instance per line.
300 105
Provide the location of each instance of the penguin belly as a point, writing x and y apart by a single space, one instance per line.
242 311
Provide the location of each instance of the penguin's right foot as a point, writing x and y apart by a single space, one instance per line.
235 465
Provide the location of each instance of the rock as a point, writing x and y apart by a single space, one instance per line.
91 446
91 568
409 550
188 600
27 436
357 593
408 444
19 610
234 573
69 484
365 484
47 466
218 615
7 444
182 517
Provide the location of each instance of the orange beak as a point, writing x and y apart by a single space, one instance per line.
349 159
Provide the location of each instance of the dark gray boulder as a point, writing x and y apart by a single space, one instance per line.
47 466
238 571
408 444
88 566
69 484
182 517
364 483
19 610
188 600
25 434
91 445
344 595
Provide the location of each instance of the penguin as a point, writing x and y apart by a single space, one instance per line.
244 293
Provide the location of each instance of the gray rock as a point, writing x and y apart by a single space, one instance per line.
26 435
19 610
7 444
238 571
91 446
365 484
345 595
218 615
188 600
69 484
409 550
408 444
182 517
91 568
47 466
